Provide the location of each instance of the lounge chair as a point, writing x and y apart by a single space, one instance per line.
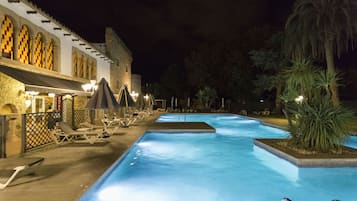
66 133
104 128
118 122
18 165
127 121
89 125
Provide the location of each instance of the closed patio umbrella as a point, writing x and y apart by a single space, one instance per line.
140 102
125 99
103 97
150 100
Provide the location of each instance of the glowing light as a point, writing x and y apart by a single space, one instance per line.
51 95
93 82
32 93
299 99
134 95
28 103
86 87
90 87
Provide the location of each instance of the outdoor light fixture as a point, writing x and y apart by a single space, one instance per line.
299 99
32 93
28 103
146 97
134 95
51 95
90 87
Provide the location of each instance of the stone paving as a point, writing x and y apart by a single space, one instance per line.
68 170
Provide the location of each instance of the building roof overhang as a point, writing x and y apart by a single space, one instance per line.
44 83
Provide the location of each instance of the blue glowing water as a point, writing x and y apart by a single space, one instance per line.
352 142
225 166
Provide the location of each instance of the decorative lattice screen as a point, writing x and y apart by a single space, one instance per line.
38 126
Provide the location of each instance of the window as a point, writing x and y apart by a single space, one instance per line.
7 37
23 46
50 55
39 51
75 64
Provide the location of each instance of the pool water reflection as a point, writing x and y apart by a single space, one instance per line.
225 166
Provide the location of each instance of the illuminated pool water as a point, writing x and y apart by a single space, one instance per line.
352 142
225 166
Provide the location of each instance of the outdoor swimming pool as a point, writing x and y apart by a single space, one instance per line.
225 166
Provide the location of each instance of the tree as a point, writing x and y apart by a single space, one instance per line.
206 97
271 62
321 29
174 81
318 125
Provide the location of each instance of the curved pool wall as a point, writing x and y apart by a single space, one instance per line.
222 167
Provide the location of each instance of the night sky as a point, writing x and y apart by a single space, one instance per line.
160 32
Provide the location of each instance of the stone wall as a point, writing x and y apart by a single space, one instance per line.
12 96
136 83
120 73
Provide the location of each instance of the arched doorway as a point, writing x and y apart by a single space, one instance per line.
12 129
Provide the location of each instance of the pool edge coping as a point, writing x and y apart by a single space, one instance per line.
308 162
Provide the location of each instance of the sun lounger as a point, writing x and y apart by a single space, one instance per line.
118 122
18 165
104 128
67 134
89 125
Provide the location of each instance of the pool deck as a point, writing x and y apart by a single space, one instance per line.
68 170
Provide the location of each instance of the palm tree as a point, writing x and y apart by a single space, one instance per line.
322 29
317 125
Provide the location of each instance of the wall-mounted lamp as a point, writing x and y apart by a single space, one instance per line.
28 103
146 97
32 93
134 95
90 87
51 95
